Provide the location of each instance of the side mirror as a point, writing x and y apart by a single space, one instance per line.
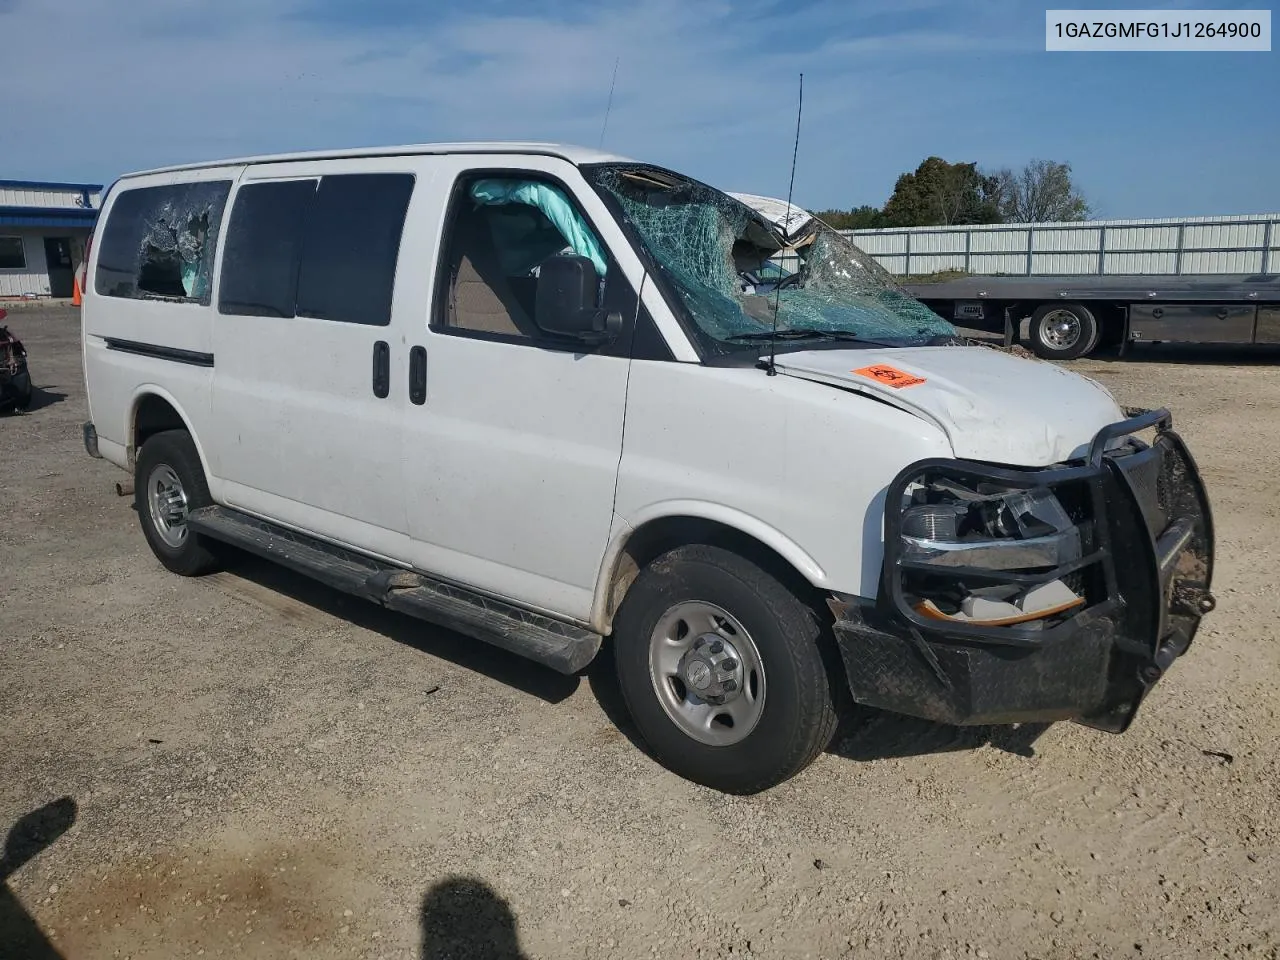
565 302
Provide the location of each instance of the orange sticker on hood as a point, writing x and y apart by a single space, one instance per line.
890 376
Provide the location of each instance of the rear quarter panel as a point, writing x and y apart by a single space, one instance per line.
115 380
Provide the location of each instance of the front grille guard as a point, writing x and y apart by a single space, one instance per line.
1154 605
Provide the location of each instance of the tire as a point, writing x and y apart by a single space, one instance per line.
1063 331
781 704
168 468
22 391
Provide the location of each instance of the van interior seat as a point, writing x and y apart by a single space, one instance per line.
482 297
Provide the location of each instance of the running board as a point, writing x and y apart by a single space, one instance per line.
561 646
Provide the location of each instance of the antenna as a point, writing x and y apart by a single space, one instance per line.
777 290
605 126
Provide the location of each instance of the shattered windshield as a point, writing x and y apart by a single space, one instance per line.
731 269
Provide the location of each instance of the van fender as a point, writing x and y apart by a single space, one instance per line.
626 528
140 393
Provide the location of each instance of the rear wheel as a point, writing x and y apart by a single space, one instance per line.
1063 331
722 670
168 484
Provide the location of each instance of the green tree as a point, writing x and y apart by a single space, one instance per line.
1041 192
865 217
942 193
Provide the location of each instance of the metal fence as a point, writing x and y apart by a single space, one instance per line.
1195 245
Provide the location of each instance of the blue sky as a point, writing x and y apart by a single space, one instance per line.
99 87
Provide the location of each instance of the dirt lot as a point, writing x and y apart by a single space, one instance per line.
257 768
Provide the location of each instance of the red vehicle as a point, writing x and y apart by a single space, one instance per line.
15 378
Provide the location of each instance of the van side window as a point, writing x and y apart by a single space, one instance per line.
160 242
264 247
501 229
323 249
352 241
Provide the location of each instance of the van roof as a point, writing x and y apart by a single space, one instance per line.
573 154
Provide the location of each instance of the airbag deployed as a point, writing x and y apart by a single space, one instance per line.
552 204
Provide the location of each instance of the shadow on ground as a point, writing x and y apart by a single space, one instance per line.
1212 354
1199 354
42 397
475 655
464 918
20 935
864 734
602 679
867 735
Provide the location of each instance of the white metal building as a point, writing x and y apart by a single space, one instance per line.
1188 245
43 229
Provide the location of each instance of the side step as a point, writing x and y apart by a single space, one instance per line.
561 646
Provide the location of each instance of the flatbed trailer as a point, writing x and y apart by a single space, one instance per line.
1069 317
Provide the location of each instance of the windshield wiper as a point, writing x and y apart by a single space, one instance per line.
798 333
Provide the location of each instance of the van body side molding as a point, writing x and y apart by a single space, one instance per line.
193 357
564 647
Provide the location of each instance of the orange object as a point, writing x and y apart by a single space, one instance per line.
930 609
890 376
76 298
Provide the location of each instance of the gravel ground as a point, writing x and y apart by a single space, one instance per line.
247 765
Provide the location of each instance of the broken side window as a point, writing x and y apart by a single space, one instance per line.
159 242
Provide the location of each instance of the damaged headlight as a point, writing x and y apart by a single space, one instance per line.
1011 531
958 537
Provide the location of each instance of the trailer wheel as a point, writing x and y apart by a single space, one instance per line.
1063 331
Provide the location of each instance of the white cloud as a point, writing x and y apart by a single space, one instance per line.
105 86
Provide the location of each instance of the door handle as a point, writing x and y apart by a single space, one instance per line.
418 375
381 369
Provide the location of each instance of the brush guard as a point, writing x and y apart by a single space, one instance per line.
1145 571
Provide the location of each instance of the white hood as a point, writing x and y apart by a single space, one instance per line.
992 405
789 219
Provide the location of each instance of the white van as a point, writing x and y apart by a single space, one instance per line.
544 396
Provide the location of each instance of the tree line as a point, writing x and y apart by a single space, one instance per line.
938 193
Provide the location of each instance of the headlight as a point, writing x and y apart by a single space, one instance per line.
958 537
1009 531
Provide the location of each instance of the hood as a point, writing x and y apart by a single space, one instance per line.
788 219
992 405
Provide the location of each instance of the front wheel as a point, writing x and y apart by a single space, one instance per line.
722 670
1063 331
